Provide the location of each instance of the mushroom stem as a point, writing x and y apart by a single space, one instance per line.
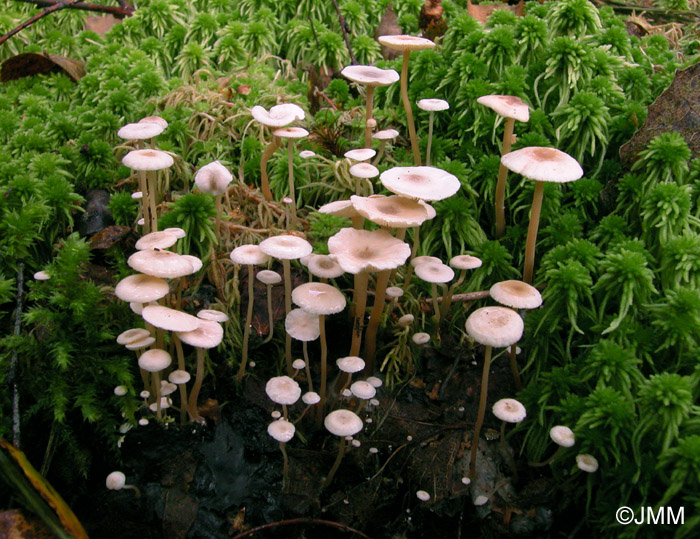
430 138
501 182
507 455
481 413
409 111
369 98
155 378
199 378
532 232
219 211
145 207
514 367
267 153
285 473
358 323
548 461
287 308
341 451
447 297
436 305
248 321
151 181
380 153
324 367
293 205
183 389
270 320
137 492
374 319
285 412
414 252
307 369
358 222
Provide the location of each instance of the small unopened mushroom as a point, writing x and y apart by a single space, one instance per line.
432 106
117 481
564 438
214 179
422 495
587 463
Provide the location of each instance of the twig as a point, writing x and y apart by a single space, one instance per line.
293 521
54 7
344 28
124 9
11 377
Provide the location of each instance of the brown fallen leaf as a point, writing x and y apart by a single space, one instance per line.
481 12
100 24
30 63
676 109
108 237
388 26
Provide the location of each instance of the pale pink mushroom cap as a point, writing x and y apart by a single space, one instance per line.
465 262
318 298
302 325
211 314
176 231
509 410
425 183
286 247
208 335
156 240
141 288
324 267
406 43
155 120
390 211
516 294
268 277
179 377
213 178
370 75
587 463
386 134
283 390
361 154
339 208
432 272
343 423
495 326
291 132
350 364
281 430
154 360
543 164
170 319
562 436
362 250
145 342
163 264
249 255
132 335
147 160
433 105
363 390
279 115
508 106
139 131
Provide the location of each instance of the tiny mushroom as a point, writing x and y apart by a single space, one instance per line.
342 423
587 463
269 278
432 106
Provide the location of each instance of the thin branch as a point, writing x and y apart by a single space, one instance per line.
12 374
344 28
124 9
54 7
293 521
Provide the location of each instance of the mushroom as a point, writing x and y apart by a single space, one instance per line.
291 133
324 267
542 165
283 390
282 431
342 423
269 278
156 240
420 183
432 106
511 108
587 463
562 436
117 481
492 327
435 273
214 179
343 208
508 411
463 263
147 162
406 44
363 171
382 136
248 255
154 361
370 77
285 248
303 326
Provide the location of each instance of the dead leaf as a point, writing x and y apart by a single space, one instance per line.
676 109
388 26
481 12
14 525
100 24
29 63
430 20
108 237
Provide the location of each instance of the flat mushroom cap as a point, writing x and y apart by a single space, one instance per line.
170 319
249 255
283 390
562 436
291 132
343 423
350 364
543 164
179 377
516 294
362 154
196 262
213 178
465 262
132 335
495 326
286 247
268 277
156 240
318 298
425 183
370 75
176 231
432 272
154 120
145 342
363 390
141 288
279 115
394 292
339 208
147 160
406 43
587 463
213 315
433 105
509 410
140 131
386 134
208 335
362 250
306 154
155 360
302 325
391 211
164 264
508 106
281 430
424 259
324 266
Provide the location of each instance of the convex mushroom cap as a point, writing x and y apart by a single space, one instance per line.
286 247
465 262
587 463
350 364
362 250
291 132
390 211
543 164
115 481
283 390
249 255
386 134
302 325
156 240
281 430
140 131
170 319
268 277
433 105
208 335
361 154
339 208
324 266
425 183
370 75
363 390
213 178
516 294
132 335
141 288
154 360
147 160
163 264
508 106
279 115
495 326
562 435
343 423
211 314
433 272
318 298
509 410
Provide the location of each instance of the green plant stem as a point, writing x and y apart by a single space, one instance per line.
341 451
501 182
409 111
532 232
375 318
369 98
248 321
264 181
482 412
430 138
199 378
